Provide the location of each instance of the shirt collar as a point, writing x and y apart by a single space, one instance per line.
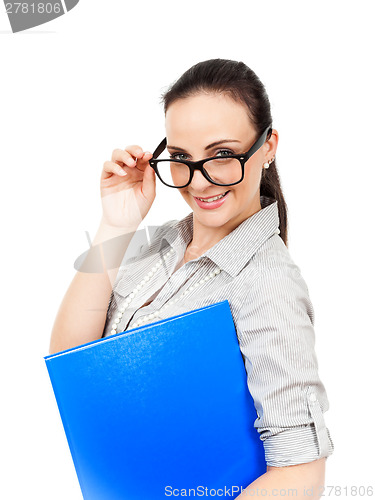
233 251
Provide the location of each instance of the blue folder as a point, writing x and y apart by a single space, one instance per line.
160 410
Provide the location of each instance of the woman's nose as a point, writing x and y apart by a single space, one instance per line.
199 183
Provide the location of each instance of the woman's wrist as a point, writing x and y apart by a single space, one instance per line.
106 232
107 249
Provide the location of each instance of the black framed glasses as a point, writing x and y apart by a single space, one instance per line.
220 170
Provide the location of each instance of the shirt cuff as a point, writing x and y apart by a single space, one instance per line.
297 445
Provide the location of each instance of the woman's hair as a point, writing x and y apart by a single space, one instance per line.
241 83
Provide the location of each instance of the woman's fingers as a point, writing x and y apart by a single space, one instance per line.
111 167
123 156
130 155
143 162
120 179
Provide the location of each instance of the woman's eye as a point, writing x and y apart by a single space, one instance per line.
226 151
176 156
222 152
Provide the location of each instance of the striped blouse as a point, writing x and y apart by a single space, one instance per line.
272 312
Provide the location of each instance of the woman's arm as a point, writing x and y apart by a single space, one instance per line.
127 188
82 314
294 481
275 327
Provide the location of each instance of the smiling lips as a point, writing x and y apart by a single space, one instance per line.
211 198
213 202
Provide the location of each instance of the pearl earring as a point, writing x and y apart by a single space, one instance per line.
267 163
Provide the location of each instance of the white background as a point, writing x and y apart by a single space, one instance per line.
82 85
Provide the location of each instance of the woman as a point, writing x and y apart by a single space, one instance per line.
232 247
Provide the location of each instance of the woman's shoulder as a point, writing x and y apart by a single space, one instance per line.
273 268
174 231
272 254
274 290
169 230
147 241
157 232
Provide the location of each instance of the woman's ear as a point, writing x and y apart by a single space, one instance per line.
271 144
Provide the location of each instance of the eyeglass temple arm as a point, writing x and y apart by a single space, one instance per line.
259 143
160 148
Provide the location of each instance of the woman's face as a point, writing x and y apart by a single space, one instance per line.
193 124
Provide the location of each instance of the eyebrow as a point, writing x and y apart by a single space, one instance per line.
210 146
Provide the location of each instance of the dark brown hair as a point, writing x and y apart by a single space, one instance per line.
243 85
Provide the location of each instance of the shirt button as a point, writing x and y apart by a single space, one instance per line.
313 397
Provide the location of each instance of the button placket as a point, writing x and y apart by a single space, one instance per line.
134 293
179 278
163 299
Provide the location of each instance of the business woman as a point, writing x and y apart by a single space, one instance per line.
220 153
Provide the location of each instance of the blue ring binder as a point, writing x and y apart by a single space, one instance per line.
164 405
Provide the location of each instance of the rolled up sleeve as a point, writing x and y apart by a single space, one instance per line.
275 328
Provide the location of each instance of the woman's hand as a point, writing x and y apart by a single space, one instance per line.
127 187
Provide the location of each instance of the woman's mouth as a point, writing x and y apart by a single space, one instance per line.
213 201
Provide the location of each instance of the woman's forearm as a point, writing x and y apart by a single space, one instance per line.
82 313
304 481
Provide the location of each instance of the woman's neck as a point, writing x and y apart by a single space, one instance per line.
205 237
